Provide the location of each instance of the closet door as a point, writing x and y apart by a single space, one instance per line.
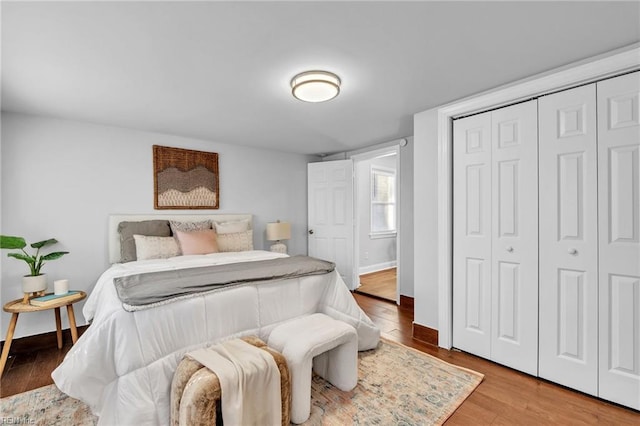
619 227
472 234
569 239
514 276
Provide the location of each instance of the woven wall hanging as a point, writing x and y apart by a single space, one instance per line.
185 179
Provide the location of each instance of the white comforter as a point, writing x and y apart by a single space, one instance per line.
122 366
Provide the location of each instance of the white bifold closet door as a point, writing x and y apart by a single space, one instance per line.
590 239
514 272
619 248
496 236
472 234
569 239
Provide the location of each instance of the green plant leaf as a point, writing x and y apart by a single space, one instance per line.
29 259
9 242
34 260
41 244
54 255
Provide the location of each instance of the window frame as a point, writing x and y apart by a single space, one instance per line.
390 172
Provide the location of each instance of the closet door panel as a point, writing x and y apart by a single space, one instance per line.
568 350
472 234
619 243
514 291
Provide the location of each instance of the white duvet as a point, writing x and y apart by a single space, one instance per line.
122 366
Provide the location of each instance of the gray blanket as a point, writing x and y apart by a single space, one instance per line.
154 287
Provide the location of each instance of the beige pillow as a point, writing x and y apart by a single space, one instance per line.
197 242
155 247
231 227
237 241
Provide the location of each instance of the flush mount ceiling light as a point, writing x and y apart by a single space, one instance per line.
315 86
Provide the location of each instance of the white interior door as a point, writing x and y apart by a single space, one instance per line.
619 227
495 236
514 246
569 239
330 211
472 234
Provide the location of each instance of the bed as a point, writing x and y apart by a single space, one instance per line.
123 364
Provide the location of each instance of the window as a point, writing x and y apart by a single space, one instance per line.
383 202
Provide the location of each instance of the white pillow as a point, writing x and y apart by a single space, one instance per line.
231 227
155 247
236 241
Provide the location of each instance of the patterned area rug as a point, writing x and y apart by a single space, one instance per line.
397 385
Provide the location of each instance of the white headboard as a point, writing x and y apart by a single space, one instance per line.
115 219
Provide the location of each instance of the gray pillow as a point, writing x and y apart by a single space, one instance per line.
150 228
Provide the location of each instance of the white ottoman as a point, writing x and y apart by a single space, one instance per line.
334 344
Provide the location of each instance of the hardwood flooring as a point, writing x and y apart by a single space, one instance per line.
505 397
380 284
26 370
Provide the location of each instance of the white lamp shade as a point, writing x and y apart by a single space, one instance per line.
277 231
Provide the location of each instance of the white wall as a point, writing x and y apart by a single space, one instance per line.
62 179
374 253
425 174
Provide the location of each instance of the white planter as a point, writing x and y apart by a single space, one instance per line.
32 284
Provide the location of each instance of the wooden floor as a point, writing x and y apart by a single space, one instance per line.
380 284
505 397
30 370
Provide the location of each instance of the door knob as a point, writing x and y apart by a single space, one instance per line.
510 249
573 251
310 231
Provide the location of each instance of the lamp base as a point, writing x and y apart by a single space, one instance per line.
279 248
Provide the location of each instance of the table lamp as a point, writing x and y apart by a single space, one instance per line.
278 231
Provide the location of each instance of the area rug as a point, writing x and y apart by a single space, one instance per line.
397 385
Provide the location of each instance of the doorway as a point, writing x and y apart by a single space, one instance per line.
376 223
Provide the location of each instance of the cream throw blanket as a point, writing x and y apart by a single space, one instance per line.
249 382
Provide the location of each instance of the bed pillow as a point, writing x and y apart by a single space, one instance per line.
236 241
197 242
231 227
189 226
155 247
153 228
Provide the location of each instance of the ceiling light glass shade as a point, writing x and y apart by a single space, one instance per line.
315 86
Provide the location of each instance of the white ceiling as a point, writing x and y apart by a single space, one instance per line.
220 71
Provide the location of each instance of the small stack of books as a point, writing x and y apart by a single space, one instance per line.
51 299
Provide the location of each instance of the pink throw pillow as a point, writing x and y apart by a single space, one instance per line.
198 242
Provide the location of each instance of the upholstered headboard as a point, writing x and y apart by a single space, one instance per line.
114 220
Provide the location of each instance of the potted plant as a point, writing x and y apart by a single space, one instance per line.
35 281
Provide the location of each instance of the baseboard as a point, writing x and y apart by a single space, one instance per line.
406 302
42 341
425 334
377 267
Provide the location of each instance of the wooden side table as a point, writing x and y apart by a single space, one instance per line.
18 306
